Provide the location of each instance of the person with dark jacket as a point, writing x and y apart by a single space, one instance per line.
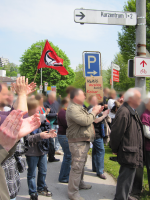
66 164
53 105
106 92
36 155
98 150
127 142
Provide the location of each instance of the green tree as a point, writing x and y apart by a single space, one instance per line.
79 78
29 63
106 74
11 69
124 81
127 38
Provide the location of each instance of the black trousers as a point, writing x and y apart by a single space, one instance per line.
51 152
148 166
124 183
138 182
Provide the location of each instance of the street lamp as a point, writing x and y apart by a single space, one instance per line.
38 46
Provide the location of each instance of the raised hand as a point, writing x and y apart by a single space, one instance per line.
101 109
47 111
105 113
31 88
15 127
21 85
97 109
29 124
10 128
47 135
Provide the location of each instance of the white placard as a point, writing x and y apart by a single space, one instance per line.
141 67
116 67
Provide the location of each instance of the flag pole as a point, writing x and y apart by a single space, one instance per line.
35 75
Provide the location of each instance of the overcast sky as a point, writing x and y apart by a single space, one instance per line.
23 22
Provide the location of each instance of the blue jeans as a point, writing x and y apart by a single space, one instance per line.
34 162
66 164
98 153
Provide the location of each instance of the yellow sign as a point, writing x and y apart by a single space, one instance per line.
48 88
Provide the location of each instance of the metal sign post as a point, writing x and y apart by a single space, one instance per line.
141 40
112 82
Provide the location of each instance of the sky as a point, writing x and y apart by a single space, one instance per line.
24 22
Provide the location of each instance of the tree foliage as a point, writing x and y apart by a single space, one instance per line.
79 78
11 69
29 63
127 38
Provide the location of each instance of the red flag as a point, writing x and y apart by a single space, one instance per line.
49 59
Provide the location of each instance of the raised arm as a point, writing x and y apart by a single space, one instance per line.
23 89
83 118
15 127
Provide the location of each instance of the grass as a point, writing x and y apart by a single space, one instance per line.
113 169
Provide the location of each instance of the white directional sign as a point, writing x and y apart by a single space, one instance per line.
105 17
141 67
116 67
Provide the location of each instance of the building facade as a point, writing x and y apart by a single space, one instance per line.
3 61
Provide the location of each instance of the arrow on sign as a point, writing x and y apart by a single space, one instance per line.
143 62
94 72
82 15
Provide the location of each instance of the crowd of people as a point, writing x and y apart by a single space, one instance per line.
37 127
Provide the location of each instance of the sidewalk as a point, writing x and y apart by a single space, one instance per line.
101 189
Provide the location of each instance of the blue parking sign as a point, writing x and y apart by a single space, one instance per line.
92 64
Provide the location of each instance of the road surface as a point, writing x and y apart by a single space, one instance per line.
101 189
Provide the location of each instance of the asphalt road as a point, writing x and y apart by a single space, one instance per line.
101 189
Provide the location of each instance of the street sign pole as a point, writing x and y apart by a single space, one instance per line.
41 69
112 85
141 39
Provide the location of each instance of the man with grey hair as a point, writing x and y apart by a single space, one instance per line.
52 117
127 142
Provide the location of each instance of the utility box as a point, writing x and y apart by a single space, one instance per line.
3 73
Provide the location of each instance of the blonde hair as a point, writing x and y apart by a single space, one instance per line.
32 104
112 91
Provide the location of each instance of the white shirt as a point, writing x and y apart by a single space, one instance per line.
111 103
7 108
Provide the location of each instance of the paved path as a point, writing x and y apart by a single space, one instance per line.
101 189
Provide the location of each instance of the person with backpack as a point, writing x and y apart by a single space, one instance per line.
36 155
98 150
